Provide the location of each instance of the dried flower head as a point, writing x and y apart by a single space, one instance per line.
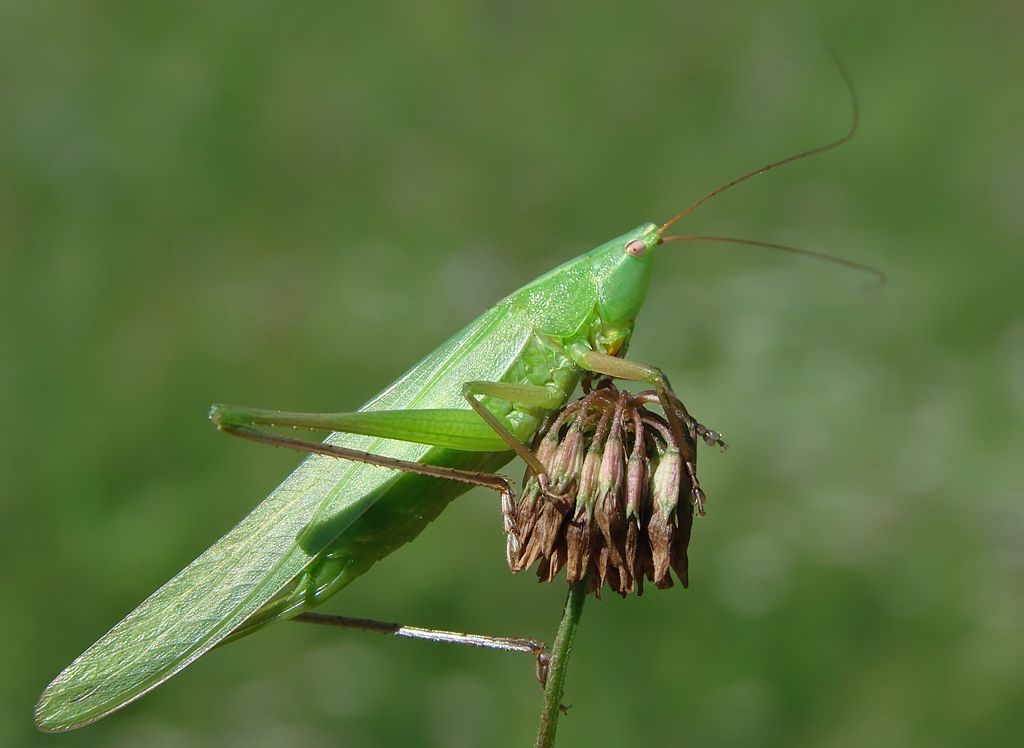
621 491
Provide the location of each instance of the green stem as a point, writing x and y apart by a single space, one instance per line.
559 663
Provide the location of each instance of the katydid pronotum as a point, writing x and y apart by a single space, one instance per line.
446 425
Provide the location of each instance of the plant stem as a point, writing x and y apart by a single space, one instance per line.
559 663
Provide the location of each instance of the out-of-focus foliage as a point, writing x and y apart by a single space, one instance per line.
285 205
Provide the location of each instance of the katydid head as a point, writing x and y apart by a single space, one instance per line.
622 271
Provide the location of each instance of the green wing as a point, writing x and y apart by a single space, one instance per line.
244 569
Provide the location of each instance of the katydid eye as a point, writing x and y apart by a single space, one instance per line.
636 248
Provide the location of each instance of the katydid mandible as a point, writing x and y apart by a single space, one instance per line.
446 425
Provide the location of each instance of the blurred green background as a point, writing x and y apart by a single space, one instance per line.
286 205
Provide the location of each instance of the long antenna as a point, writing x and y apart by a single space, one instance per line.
880 277
774 164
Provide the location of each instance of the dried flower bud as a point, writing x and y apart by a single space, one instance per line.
610 509
586 492
567 460
661 528
636 482
579 533
680 561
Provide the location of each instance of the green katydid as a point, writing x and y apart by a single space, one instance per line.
446 425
